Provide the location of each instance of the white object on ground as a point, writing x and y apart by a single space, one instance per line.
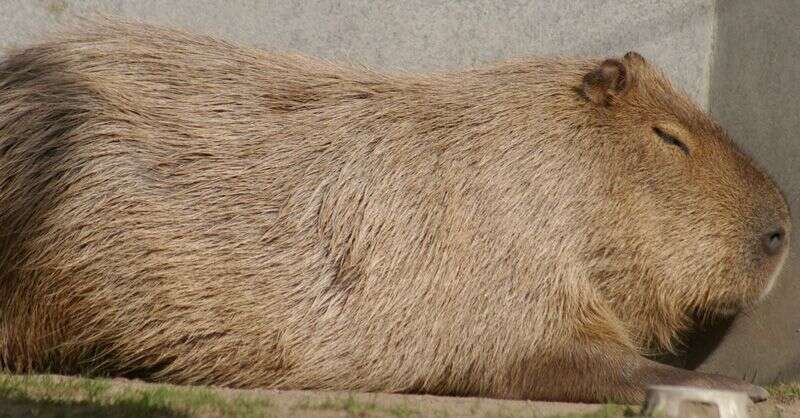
666 401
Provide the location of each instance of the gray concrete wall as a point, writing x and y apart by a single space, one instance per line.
755 85
418 34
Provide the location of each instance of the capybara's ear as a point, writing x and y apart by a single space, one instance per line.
611 79
634 57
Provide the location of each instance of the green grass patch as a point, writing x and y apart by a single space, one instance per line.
608 411
353 408
46 396
785 392
68 397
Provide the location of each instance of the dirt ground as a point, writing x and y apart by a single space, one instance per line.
59 396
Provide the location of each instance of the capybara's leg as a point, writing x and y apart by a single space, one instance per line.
591 358
607 375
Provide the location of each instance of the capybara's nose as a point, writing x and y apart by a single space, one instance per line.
774 240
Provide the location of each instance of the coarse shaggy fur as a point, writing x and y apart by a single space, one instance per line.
181 209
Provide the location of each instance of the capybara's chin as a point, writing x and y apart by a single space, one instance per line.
184 210
747 290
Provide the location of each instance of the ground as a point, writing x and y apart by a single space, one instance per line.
59 396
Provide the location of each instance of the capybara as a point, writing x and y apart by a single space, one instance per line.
179 209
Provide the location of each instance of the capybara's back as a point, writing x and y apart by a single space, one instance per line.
179 209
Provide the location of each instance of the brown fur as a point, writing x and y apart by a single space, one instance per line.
184 210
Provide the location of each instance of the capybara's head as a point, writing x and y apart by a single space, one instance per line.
696 226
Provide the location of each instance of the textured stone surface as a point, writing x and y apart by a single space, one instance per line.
418 34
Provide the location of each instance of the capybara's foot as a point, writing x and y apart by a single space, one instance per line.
658 374
622 380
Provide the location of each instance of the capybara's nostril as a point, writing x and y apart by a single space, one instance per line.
774 240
